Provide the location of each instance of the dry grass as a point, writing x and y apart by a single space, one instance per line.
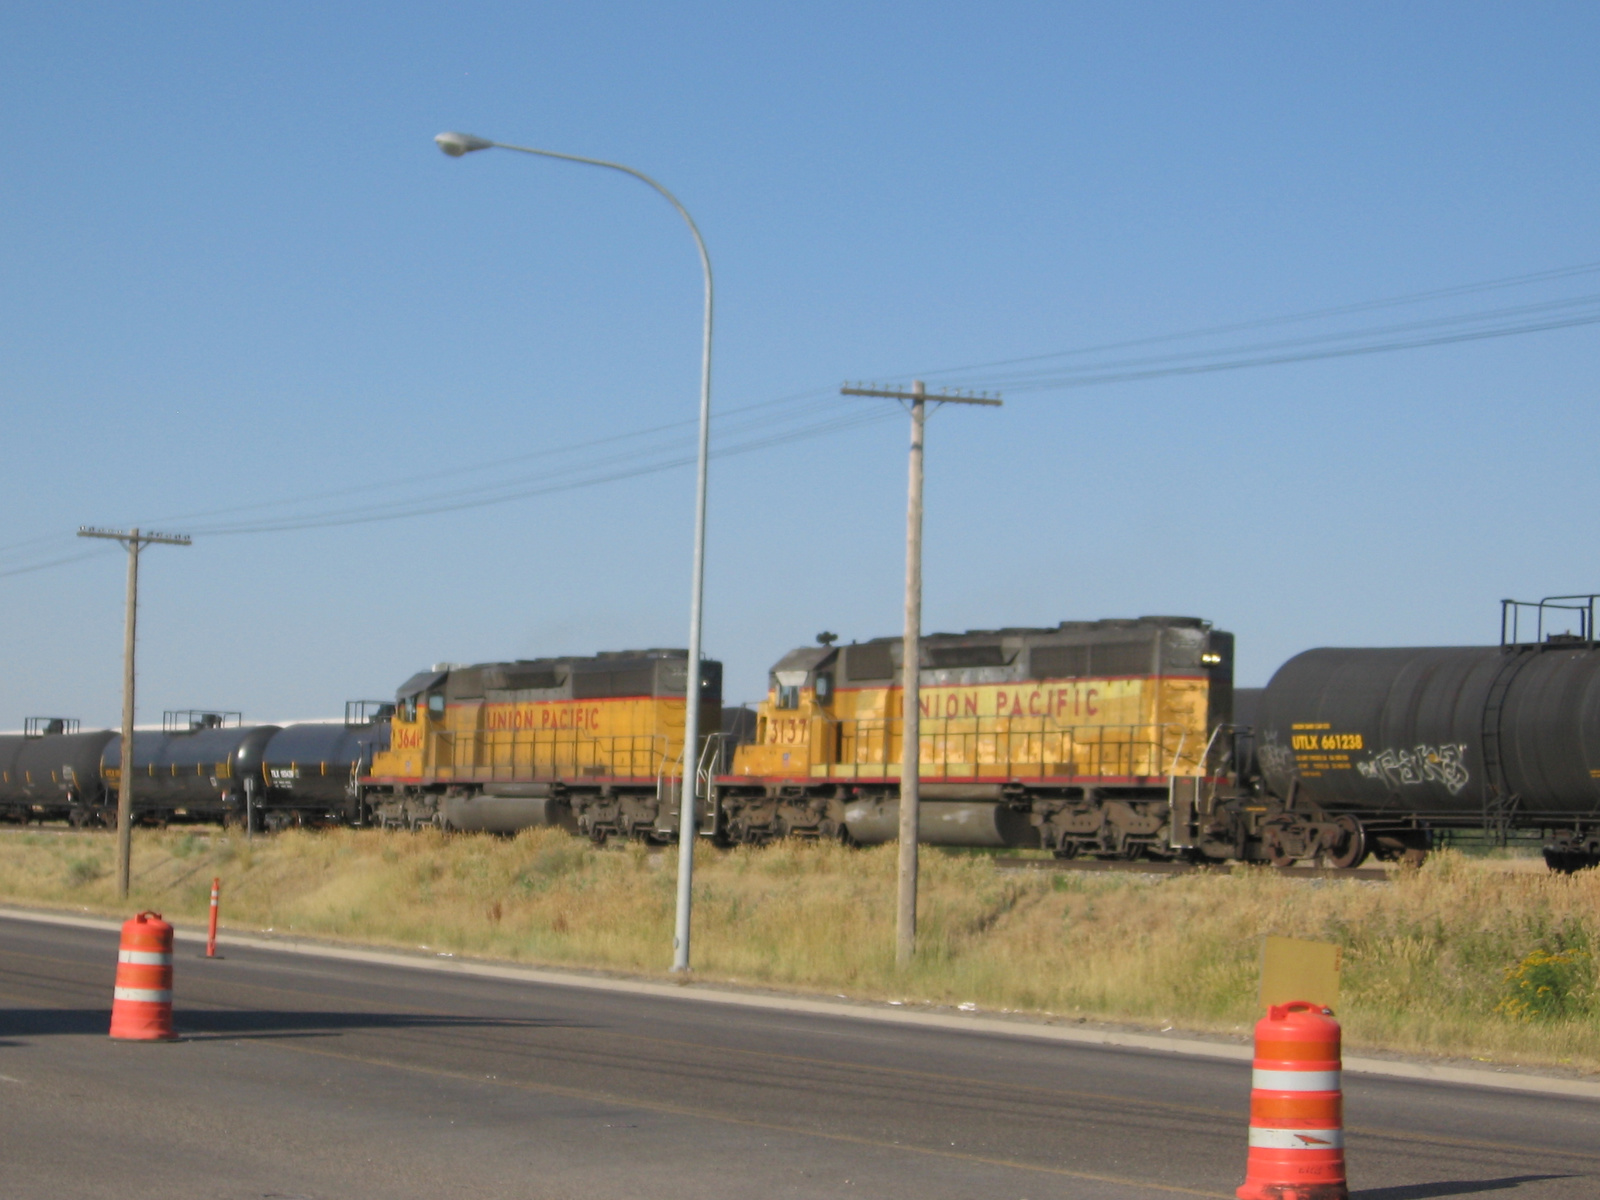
1427 956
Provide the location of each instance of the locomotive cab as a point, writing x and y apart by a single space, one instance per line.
796 727
418 712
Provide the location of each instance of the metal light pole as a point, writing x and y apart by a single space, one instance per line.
133 540
911 661
457 144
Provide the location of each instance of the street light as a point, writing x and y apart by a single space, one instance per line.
458 144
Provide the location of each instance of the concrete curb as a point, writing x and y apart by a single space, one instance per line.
1184 1047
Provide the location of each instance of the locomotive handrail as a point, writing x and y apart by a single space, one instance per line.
643 752
1133 748
1178 753
713 747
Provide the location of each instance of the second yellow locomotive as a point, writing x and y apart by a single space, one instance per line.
591 742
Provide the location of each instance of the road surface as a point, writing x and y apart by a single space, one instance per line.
318 1079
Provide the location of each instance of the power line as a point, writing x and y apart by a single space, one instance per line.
1089 379
661 448
1591 302
590 472
368 516
1292 318
479 466
55 562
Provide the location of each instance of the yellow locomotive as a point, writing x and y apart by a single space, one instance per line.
1101 737
595 744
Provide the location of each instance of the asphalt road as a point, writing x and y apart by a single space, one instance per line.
311 1078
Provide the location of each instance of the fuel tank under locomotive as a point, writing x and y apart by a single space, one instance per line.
1463 736
941 822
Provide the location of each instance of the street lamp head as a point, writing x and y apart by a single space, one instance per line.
457 144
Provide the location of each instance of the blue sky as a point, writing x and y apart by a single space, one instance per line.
240 274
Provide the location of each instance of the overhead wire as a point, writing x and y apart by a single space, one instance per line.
606 468
1372 339
819 412
1590 301
477 466
55 562
796 417
1464 289
588 474
1091 376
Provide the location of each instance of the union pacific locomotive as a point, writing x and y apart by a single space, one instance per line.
1082 738
593 743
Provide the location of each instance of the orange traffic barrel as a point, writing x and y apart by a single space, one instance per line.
141 1004
1296 1107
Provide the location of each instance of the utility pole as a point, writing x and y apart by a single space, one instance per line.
133 540
911 664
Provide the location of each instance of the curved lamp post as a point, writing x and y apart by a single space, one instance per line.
457 144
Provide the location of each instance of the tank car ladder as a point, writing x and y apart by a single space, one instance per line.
1499 803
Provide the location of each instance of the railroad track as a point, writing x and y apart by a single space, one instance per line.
1374 874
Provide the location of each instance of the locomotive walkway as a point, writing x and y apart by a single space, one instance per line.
306 1077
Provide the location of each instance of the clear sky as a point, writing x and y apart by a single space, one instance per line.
239 276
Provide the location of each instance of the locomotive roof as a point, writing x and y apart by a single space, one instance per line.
985 651
1107 625
631 671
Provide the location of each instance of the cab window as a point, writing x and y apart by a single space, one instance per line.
436 705
788 695
824 686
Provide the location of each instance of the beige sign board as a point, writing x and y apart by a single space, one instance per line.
1292 969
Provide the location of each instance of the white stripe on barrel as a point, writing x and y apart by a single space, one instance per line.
144 995
1296 1139
1295 1081
144 958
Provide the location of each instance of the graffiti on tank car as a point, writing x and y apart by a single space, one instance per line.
1276 760
1446 764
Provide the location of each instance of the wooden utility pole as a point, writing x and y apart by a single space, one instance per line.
911 660
133 540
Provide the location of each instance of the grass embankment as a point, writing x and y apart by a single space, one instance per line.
1462 957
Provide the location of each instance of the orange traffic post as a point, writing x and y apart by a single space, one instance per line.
1296 1107
211 930
141 1004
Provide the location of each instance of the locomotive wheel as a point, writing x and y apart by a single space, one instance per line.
1351 847
1277 853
